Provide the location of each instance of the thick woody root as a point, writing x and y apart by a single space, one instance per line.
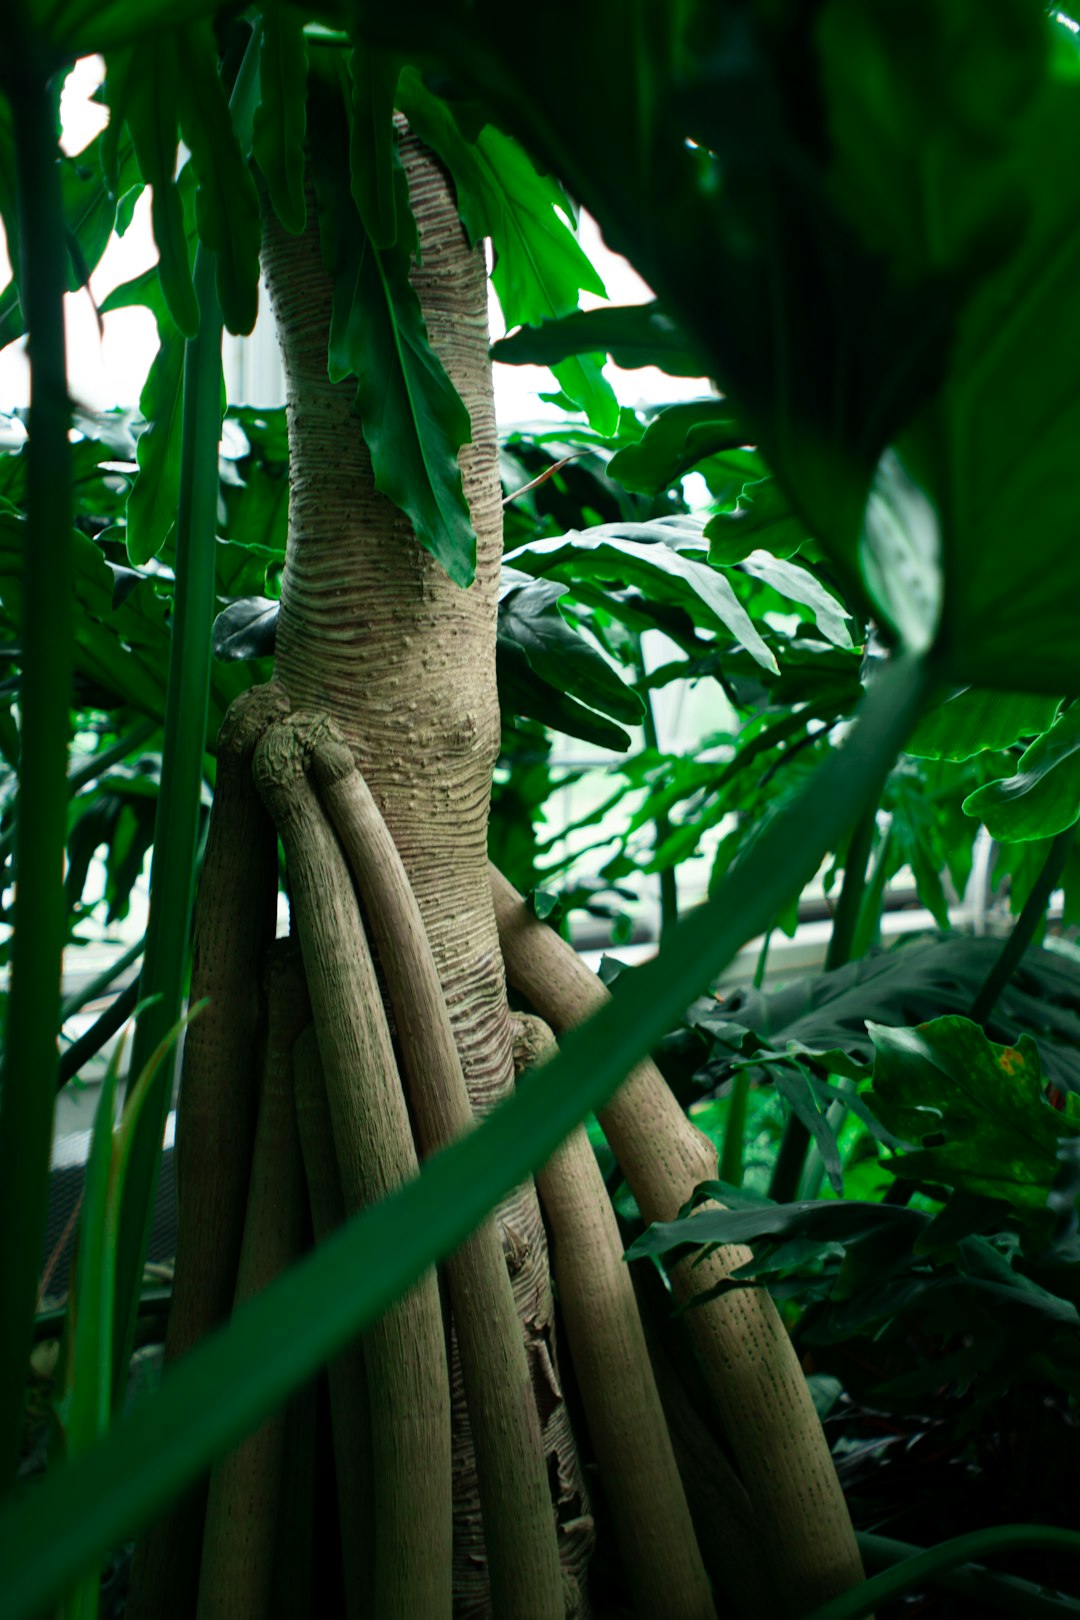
722 1514
405 1351
664 1570
245 1487
347 1373
519 1524
766 1410
233 926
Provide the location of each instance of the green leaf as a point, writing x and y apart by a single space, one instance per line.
281 117
973 720
119 648
412 418
633 335
549 672
675 441
246 629
762 520
799 585
900 555
220 1391
373 76
976 1108
583 382
539 264
998 474
615 552
151 508
141 89
844 1222
1043 798
226 202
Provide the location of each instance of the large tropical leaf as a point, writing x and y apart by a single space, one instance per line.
975 1110
643 554
142 92
281 116
412 418
974 720
909 985
674 442
633 335
549 672
540 266
1043 797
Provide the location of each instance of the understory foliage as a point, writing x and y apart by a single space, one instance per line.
854 550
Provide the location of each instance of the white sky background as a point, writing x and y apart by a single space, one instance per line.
110 370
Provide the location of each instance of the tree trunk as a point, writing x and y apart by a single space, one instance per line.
373 634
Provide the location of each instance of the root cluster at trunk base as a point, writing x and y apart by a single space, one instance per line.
334 1074
475 1453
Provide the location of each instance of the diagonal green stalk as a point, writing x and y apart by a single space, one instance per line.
176 826
669 889
101 982
220 1391
892 1583
102 1029
795 1144
1008 1593
1023 930
734 1145
28 1083
95 766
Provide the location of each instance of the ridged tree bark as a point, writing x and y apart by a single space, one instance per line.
373 634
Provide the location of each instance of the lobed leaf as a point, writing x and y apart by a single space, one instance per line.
1043 797
616 552
977 1108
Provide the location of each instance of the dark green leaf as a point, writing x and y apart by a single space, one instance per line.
141 88
529 618
974 719
151 510
226 202
633 335
373 76
845 1221
412 417
246 630
1043 798
976 1108
674 442
762 520
281 118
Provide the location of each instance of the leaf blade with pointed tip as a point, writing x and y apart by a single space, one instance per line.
281 117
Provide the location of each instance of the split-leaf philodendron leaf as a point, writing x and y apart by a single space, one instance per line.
1043 797
974 1111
